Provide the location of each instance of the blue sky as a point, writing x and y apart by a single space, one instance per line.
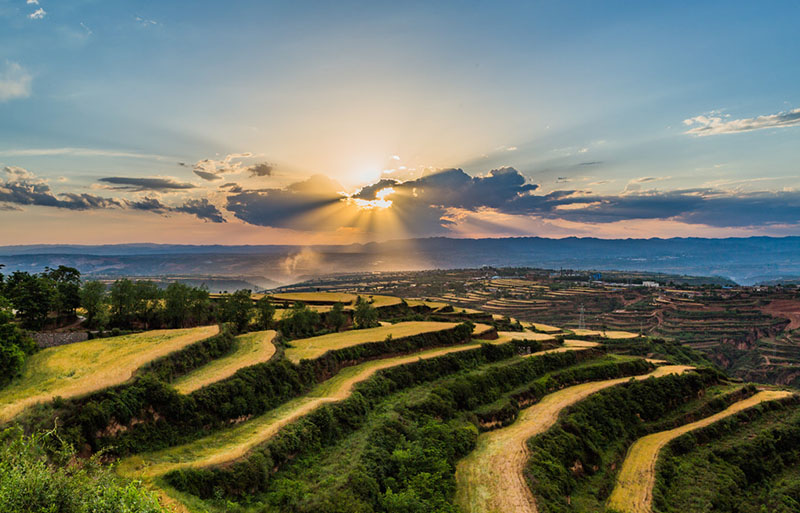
147 121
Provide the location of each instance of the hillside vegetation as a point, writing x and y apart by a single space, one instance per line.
375 404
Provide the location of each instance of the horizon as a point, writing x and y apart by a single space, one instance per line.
261 123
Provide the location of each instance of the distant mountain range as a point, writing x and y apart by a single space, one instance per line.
744 260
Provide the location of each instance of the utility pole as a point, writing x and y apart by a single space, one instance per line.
582 318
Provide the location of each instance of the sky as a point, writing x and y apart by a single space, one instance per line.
340 122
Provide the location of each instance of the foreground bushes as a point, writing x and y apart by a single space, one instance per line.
745 463
575 446
33 482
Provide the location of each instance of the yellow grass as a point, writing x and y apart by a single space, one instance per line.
481 329
84 367
233 443
314 347
618 335
251 348
490 480
330 297
526 335
545 328
585 333
634 490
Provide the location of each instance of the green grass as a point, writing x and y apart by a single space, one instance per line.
76 369
251 348
314 347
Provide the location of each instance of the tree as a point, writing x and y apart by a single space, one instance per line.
32 296
265 311
300 323
67 285
93 300
336 317
237 309
123 301
15 344
199 305
176 304
147 297
365 316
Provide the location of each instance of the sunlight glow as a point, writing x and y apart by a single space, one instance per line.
380 201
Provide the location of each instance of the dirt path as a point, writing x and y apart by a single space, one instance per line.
230 444
490 479
633 492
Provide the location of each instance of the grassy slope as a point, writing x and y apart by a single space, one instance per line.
633 492
251 348
84 367
314 347
490 479
233 443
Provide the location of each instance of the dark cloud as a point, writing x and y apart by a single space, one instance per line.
149 205
206 175
203 209
591 163
23 188
122 183
289 207
232 187
261 169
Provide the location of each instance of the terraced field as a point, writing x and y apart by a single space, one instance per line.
233 443
309 348
633 492
251 348
490 479
343 422
75 369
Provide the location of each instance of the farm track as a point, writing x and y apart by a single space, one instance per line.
490 479
252 348
633 492
230 444
85 367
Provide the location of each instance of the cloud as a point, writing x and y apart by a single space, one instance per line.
262 169
77 152
144 22
32 2
121 183
202 209
211 169
290 207
15 82
38 14
714 124
23 188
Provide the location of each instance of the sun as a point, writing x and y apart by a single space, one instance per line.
379 203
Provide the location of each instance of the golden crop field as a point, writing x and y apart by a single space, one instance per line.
329 297
545 328
490 479
526 335
314 347
633 492
84 367
251 348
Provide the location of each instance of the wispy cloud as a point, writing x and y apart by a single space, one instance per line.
38 14
77 152
715 124
144 22
15 82
212 169
123 183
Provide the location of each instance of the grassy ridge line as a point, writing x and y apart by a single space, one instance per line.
633 492
251 348
314 347
84 367
234 443
491 478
